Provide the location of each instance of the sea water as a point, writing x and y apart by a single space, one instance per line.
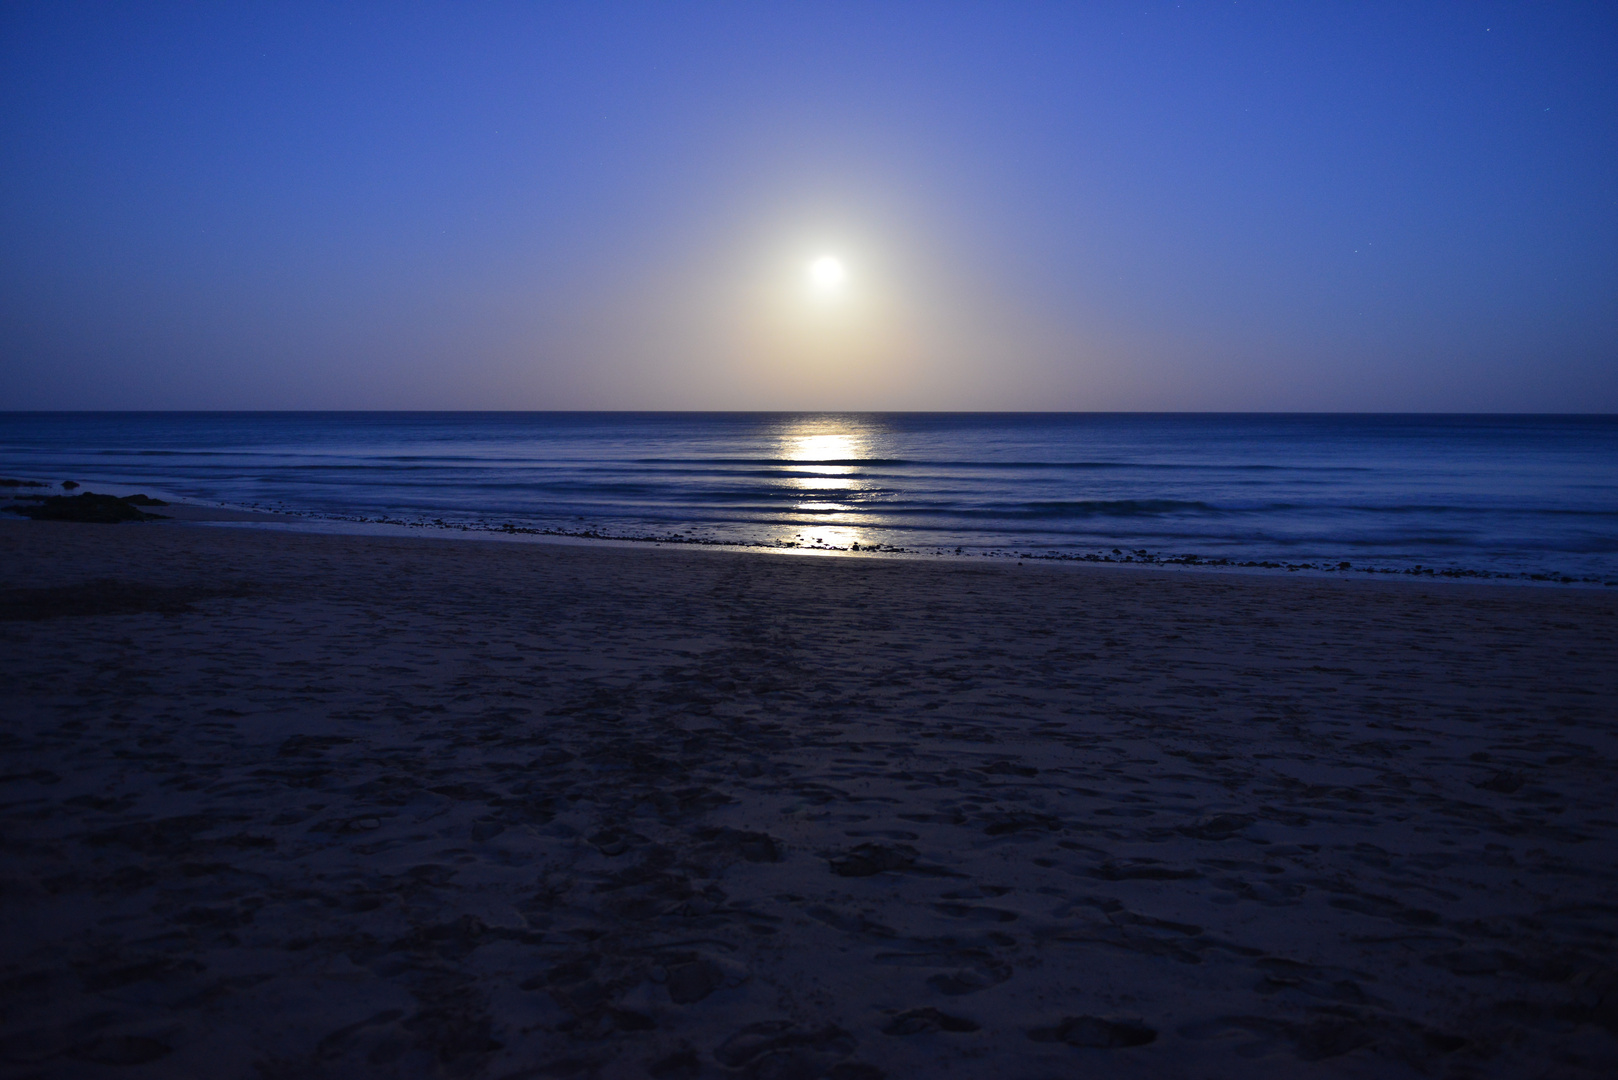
1517 496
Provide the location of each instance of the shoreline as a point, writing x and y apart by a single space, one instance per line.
291 803
1343 563
200 512
1267 571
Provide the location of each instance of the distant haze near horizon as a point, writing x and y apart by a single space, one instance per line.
1158 206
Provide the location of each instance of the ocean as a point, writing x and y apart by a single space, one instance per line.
1520 497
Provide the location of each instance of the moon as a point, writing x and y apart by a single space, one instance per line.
826 273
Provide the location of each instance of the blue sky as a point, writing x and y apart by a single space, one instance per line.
1221 206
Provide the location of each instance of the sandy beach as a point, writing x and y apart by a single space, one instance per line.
283 805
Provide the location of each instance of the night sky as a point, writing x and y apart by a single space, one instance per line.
1149 206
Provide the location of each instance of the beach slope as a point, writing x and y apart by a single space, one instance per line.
281 805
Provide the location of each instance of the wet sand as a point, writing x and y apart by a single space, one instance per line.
282 805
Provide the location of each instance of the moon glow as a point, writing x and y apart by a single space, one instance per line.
827 274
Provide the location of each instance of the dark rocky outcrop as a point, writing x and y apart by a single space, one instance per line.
89 507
